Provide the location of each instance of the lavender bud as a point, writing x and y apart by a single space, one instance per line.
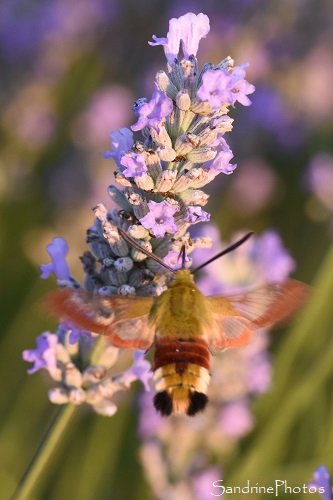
58 395
124 264
93 374
126 290
71 376
119 177
144 182
77 396
165 181
138 232
166 154
138 256
201 155
194 197
165 84
183 100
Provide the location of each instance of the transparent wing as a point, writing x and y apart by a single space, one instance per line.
123 320
237 317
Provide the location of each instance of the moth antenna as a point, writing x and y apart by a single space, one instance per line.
227 250
136 245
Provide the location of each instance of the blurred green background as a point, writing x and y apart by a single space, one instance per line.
70 73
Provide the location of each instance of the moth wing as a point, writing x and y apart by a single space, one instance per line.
123 320
237 317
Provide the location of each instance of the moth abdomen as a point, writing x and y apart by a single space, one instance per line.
181 375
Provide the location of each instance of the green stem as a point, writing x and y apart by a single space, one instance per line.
44 452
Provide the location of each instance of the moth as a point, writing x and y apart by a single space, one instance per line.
183 325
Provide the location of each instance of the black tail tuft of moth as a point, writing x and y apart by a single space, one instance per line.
163 403
198 402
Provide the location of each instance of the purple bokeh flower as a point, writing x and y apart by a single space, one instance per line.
236 419
160 218
202 484
57 250
140 370
320 178
121 141
195 214
322 483
152 113
189 29
45 354
135 164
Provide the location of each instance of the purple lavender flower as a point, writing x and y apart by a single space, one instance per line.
322 483
195 214
44 356
160 218
219 86
121 141
135 163
140 370
215 88
189 29
57 250
221 162
152 113
75 333
174 260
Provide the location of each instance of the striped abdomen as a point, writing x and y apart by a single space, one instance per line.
181 375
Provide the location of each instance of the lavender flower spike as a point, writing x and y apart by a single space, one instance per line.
189 29
160 218
58 250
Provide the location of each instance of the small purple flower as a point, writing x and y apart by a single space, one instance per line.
57 250
75 333
140 370
196 214
45 354
189 29
152 113
135 163
160 218
221 162
236 419
322 483
240 87
215 88
219 86
174 260
121 141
